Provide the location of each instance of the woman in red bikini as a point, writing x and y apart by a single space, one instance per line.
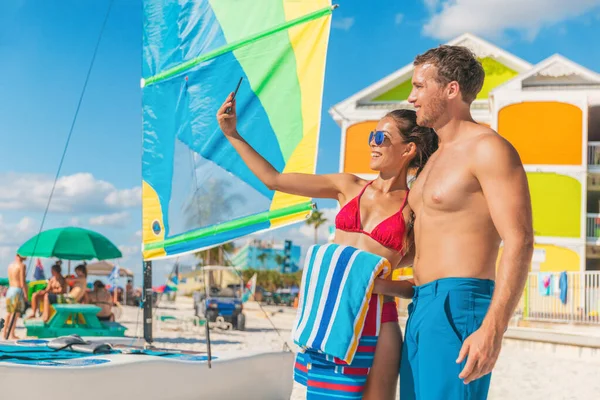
374 217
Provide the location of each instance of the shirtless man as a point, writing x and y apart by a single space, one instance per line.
15 296
471 196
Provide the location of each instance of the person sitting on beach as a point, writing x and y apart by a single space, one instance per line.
100 297
374 217
15 296
57 285
77 293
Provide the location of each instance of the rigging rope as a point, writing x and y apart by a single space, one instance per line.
87 78
62 158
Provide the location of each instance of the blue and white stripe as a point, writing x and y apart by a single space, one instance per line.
336 287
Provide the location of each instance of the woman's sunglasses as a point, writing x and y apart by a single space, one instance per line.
379 137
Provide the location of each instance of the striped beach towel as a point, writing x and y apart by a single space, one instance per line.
337 284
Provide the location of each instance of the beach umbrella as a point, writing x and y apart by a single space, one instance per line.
70 243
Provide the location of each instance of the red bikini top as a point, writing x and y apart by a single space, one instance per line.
389 232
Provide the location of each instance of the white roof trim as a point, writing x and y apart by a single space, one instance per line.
553 65
483 48
479 46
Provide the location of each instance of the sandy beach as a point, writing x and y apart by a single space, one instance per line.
524 371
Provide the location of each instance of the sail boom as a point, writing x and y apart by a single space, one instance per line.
230 226
178 69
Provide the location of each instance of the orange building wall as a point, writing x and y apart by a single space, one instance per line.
356 151
544 132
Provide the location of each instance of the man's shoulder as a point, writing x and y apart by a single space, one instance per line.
491 148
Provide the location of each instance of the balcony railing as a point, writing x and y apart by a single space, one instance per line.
593 226
594 153
545 298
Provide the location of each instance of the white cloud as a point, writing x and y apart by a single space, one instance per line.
432 4
130 251
13 235
125 198
399 18
451 18
80 192
7 253
138 233
74 221
119 219
343 23
17 233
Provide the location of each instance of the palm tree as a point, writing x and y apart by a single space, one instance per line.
316 219
262 257
280 261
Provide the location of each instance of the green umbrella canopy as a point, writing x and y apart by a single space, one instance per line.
70 243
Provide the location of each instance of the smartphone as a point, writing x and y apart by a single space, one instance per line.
228 109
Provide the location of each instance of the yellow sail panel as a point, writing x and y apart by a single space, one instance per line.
152 221
309 42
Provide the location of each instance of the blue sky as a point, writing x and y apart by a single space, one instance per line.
46 47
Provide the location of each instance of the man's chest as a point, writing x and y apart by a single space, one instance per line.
445 183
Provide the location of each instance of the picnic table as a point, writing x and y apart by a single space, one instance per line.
69 319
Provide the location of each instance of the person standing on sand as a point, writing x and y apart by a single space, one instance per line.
374 218
471 195
15 296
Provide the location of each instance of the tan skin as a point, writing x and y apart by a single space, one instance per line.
473 190
380 200
78 292
57 284
16 278
102 299
79 289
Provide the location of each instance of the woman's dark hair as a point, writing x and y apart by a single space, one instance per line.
98 284
82 268
425 139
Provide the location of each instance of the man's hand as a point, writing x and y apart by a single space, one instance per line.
482 349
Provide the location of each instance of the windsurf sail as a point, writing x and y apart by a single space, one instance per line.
197 192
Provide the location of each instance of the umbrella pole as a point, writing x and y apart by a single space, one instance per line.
147 289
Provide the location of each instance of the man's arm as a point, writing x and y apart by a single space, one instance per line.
499 170
24 280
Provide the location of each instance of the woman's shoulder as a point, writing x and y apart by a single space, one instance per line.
351 182
350 186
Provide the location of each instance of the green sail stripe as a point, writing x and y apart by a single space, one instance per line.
178 69
231 225
270 66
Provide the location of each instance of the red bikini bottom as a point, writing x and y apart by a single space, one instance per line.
389 313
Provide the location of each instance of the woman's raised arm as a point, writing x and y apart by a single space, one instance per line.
310 185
